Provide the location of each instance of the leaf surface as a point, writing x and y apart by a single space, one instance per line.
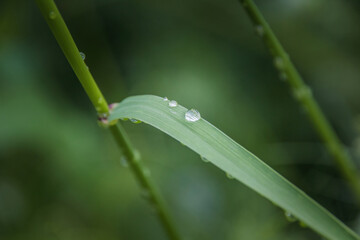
209 142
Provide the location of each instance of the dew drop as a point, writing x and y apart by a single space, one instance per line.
124 161
290 217
173 103
279 63
260 30
124 119
165 99
229 176
192 115
52 15
133 120
82 55
204 159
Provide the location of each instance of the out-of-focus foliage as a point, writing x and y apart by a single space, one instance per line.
60 176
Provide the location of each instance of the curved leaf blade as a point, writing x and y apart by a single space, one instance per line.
226 154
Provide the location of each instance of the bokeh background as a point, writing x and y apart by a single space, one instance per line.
60 174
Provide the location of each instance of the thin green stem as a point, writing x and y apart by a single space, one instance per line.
303 95
141 173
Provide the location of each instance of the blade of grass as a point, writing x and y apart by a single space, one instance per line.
69 48
226 154
303 95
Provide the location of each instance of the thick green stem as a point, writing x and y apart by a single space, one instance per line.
304 96
68 46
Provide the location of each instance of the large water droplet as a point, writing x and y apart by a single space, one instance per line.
260 30
290 217
82 55
229 176
173 103
192 115
52 15
165 99
204 159
124 161
133 120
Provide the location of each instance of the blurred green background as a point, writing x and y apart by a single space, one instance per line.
60 174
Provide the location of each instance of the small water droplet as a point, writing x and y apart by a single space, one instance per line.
290 217
204 159
229 176
124 119
173 103
133 120
260 30
124 161
165 99
192 115
302 93
82 55
279 63
52 15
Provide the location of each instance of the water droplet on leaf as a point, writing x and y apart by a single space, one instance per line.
82 55
290 217
133 120
204 159
173 103
192 115
229 176
165 99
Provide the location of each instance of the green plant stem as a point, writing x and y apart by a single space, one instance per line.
141 173
303 95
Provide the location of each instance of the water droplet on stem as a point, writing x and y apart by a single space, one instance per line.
52 15
260 30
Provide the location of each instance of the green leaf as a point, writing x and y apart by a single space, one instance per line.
226 154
